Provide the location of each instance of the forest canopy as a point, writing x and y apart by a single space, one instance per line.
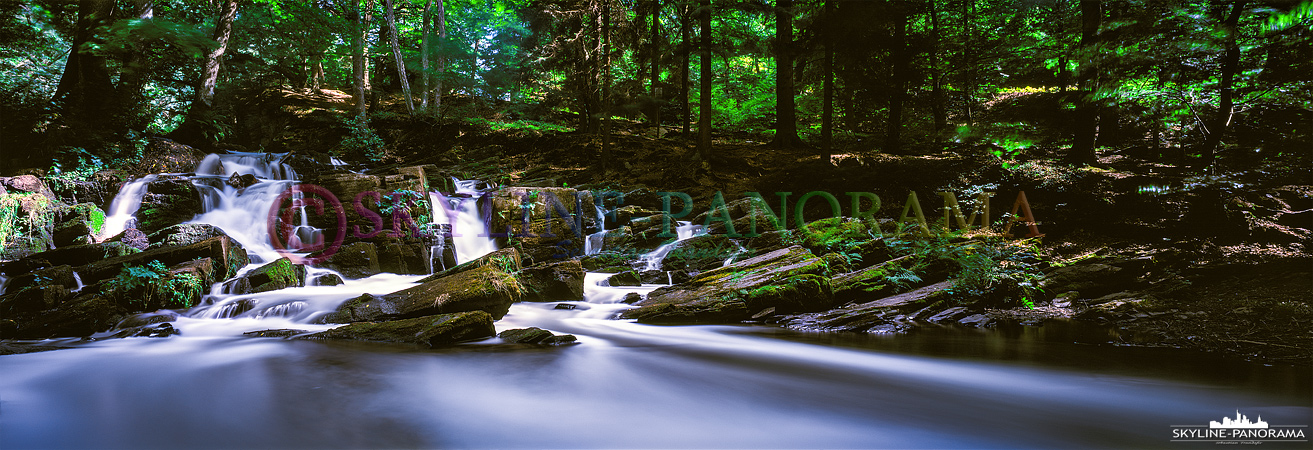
1192 83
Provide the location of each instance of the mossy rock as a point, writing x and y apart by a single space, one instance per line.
79 224
79 317
833 234
537 336
747 215
553 282
698 253
168 201
506 259
354 260
626 278
184 234
427 331
789 280
280 274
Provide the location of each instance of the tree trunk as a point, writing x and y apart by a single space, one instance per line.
1226 105
1087 120
132 75
968 64
426 78
827 86
786 118
606 84
358 60
936 75
686 38
441 24
656 65
396 52
223 28
85 87
704 116
894 125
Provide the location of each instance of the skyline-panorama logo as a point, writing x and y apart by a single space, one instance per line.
1239 430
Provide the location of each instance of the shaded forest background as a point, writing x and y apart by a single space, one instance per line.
1196 85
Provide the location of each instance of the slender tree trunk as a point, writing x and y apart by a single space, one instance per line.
1087 116
223 28
704 117
396 51
358 59
606 84
786 118
655 50
936 75
894 126
132 76
686 38
441 25
426 78
827 86
1226 105
968 64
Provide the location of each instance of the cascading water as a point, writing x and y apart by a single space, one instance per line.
469 231
123 210
243 213
652 260
593 243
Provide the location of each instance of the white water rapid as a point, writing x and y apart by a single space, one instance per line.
469 232
685 230
123 209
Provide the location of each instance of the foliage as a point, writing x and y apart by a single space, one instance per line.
361 143
26 223
153 285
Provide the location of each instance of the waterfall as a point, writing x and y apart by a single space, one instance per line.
684 231
469 231
593 243
123 210
244 213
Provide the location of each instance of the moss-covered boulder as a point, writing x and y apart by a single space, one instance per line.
27 221
888 278
699 253
78 317
553 282
485 288
537 336
280 274
428 331
410 256
510 205
888 314
748 216
168 201
505 259
354 260
227 255
165 156
79 224
789 280
184 234
365 308
32 300
625 278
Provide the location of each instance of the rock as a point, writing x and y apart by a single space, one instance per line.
977 320
51 276
28 183
872 282
365 308
184 234
130 238
626 278
534 335
949 315
151 318
570 307
347 186
549 240
1091 280
279 333
486 288
429 331
163 329
30 227
875 316
280 274
227 256
791 280
631 298
32 300
165 156
242 181
700 253
79 224
483 288
551 282
749 217
169 200
354 260
506 259
511 204
409 256
328 279
79 317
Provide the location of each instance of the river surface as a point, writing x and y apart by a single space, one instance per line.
628 385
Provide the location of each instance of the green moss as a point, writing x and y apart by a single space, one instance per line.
27 221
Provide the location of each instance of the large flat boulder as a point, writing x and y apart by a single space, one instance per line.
227 254
553 282
428 331
786 281
882 315
481 288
